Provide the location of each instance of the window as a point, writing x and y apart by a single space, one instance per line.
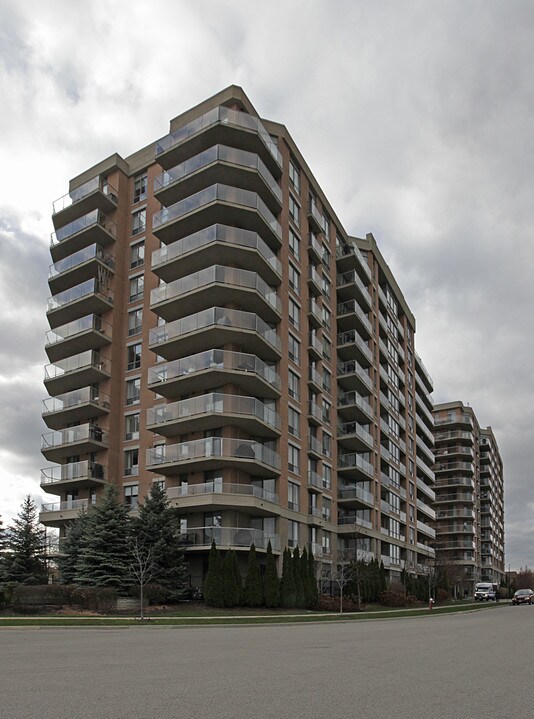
327 509
133 391
294 349
327 444
325 222
137 287
327 476
393 425
394 553
293 382
394 502
133 353
140 187
294 176
326 542
131 462
326 316
294 313
292 533
294 210
327 348
326 286
294 244
293 422
137 255
327 407
412 490
293 459
131 495
294 278
327 380
131 426
293 495
394 451
135 322
138 222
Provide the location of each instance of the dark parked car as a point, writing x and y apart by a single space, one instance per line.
523 596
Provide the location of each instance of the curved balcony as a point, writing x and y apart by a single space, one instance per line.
80 266
352 376
216 245
201 538
218 496
214 368
208 411
80 404
219 163
350 316
94 227
353 436
90 297
351 405
354 465
213 328
350 287
350 346
204 455
82 439
220 125
89 332
77 371
217 285
95 194
218 203
56 514
70 476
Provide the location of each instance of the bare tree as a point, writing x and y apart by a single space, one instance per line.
141 569
342 576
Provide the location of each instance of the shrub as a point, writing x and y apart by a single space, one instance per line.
331 604
442 596
100 599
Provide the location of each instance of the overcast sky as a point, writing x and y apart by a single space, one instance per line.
415 117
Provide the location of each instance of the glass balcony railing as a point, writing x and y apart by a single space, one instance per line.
215 316
230 537
213 447
221 193
216 403
352 307
210 235
93 252
74 196
351 337
89 287
71 329
218 153
347 429
351 278
356 493
213 359
219 487
346 461
354 399
222 115
353 367
77 470
69 504
73 435
220 274
84 360
74 398
95 217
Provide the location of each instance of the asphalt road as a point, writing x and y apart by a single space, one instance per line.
458 666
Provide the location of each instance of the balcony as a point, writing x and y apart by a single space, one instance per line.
79 267
204 455
460 418
348 523
456 497
425 489
315 480
217 285
220 125
76 371
315 412
217 204
352 376
218 163
426 509
56 514
315 219
95 194
218 496
315 346
201 538
213 245
90 297
353 436
214 368
214 328
353 405
350 346
426 529
315 379
89 332
350 316
314 280
454 467
314 313
350 287
82 439
315 248
94 227
70 476
209 411
348 257
315 447
455 451
355 495
354 465
75 406
464 512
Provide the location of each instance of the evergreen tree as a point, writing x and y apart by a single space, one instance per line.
3 546
271 585
253 594
230 588
304 569
72 543
104 554
213 583
287 584
299 587
313 592
383 581
25 560
238 581
156 530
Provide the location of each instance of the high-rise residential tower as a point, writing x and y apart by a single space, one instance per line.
215 329
469 498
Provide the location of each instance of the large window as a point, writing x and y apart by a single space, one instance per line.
294 244
137 255
294 278
137 288
293 459
133 391
131 463
140 187
131 426
138 222
292 534
294 210
293 422
294 176
134 356
294 349
131 495
294 313
293 383
135 321
293 494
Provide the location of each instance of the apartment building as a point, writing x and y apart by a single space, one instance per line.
214 328
469 498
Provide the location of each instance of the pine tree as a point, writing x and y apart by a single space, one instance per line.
299 587
70 556
157 531
213 583
25 561
3 546
313 592
238 581
287 585
253 593
271 584
306 599
231 591
104 555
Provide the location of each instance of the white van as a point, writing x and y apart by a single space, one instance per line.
485 591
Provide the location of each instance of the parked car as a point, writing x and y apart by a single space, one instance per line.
523 596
